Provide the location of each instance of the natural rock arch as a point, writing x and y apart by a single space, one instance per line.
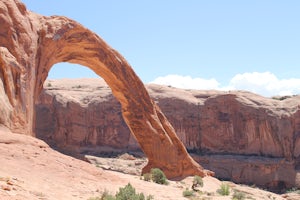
31 44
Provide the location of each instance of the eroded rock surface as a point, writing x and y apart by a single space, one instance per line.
239 135
30 44
30 169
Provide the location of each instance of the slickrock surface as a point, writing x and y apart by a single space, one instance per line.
241 136
31 170
30 44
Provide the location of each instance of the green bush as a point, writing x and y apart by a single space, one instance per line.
224 189
104 196
197 182
150 197
109 197
147 177
238 195
293 190
128 192
158 176
188 193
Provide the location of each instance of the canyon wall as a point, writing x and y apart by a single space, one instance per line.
239 135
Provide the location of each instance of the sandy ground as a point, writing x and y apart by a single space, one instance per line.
30 169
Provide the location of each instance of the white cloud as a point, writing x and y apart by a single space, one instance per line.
187 82
266 83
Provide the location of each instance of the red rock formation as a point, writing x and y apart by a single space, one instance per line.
31 44
241 136
244 137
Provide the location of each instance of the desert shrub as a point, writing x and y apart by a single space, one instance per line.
106 196
188 193
281 98
197 182
293 190
109 197
126 193
147 177
238 195
224 189
158 176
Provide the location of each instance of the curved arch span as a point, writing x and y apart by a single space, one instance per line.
37 43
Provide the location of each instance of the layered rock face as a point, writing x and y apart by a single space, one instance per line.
31 44
82 113
239 135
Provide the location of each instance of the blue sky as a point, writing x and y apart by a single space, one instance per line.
252 45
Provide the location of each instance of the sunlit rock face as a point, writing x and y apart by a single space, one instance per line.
239 135
30 44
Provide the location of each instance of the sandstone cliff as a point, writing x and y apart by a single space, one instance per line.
239 135
30 44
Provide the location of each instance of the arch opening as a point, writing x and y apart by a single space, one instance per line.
70 71
72 43
76 114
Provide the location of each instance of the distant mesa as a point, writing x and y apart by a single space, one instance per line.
241 136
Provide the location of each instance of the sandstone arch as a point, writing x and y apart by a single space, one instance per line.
31 44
